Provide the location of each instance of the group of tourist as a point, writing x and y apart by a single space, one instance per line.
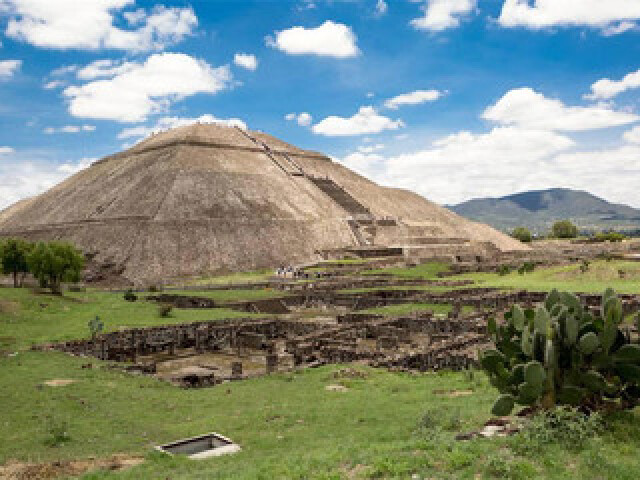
289 272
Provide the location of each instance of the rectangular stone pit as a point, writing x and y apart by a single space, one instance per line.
200 447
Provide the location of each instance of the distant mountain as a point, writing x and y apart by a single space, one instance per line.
538 210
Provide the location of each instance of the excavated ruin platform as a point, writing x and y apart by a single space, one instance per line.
208 198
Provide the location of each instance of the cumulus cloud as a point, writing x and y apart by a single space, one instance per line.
370 148
303 119
381 8
413 98
104 68
606 88
526 108
91 25
167 123
146 88
366 121
245 60
21 177
443 14
69 129
465 164
9 67
633 135
329 40
612 16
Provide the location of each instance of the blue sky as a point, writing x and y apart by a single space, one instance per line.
453 99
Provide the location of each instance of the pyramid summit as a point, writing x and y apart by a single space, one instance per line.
207 198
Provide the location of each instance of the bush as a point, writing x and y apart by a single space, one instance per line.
164 310
504 270
527 267
521 233
564 229
560 354
129 296
584 266
567 427
13 258
55 262
610 237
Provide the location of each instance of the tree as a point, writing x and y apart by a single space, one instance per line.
564 229
521 233
54 263
13 258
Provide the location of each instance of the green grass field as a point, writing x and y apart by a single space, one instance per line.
427 270
289 425
601 274
29 319
386 425
407 308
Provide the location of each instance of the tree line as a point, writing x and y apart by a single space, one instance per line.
51 263
565 229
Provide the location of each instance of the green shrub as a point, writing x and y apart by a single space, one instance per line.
560 354
564 229
566 427
609 237
521 233
504 270
526 267
129 296
584 266
164 310
95 326
57 433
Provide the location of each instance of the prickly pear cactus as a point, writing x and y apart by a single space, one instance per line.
561 354
95 326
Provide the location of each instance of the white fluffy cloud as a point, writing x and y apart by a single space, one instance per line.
526 108
103 68
464 165
167 123
381 8
370 148
303 119
613 16
329 40
605 88
9 67
633 135
69 129
413 98
366 121
146 88
6 150
442 14
22 178
245 60
91 24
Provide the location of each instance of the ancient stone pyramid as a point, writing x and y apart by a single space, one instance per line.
208 198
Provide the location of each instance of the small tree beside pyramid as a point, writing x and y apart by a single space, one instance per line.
55 262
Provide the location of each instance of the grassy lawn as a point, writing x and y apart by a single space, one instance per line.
406 308
230 295
28 319
426 270
601 274
288 425
230 278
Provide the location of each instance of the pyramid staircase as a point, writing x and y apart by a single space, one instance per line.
286 164
341 196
